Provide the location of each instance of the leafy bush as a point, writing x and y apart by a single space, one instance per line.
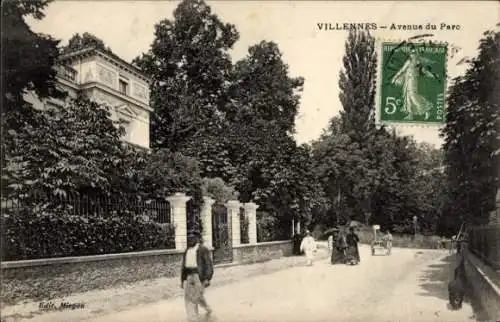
163 173
71 148
267 227
45 234
216 188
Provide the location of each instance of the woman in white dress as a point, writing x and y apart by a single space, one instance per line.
308 246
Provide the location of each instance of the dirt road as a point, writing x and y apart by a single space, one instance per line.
409 285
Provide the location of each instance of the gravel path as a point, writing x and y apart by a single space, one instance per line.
409 285
104 302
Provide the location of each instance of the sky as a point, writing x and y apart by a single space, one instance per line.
127 27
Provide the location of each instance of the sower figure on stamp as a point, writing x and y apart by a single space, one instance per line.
408 78
196 274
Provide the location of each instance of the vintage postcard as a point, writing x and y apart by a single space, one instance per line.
250 160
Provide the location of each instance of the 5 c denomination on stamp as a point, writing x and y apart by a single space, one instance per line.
411 82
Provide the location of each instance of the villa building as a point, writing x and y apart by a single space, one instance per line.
106 78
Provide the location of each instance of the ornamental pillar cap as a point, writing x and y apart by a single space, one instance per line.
251 206
178 198
233 204
208 201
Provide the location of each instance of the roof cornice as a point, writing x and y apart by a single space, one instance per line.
110 57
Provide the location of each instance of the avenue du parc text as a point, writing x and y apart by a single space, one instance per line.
327 26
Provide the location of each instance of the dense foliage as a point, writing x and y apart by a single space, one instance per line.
236 120
27 57
85 41
32 235
217 189
189 64
471 138
72 148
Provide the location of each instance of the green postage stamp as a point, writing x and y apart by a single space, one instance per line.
411 82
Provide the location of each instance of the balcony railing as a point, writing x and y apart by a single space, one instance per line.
67 73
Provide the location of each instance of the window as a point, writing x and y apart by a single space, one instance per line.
123 87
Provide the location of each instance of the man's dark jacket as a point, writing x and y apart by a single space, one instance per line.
204 262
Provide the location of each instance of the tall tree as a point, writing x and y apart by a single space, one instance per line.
189 64
263 86
27 57
264 105
471 136
357 86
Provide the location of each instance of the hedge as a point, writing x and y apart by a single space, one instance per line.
28 235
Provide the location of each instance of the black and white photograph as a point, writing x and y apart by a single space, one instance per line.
250 160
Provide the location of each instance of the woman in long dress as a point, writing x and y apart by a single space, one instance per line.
352 247
407 77
308 246
338 251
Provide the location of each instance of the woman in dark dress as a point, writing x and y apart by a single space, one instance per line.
352 246
339 247
335 253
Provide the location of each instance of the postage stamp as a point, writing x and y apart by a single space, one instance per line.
411 82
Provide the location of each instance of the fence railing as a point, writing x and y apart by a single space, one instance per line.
83 205
484 242
244 227
47 226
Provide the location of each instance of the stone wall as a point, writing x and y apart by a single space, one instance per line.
252 253
57 277
485 282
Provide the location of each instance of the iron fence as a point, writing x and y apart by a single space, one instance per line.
484 242
156 210
244 227
47 226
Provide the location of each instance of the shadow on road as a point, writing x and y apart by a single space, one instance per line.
434 282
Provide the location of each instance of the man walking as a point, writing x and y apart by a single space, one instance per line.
308 246
388 239
196 274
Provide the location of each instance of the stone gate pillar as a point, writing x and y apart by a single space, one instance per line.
206 217
178 212
251 212
233 212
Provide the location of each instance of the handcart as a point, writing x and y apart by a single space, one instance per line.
379 245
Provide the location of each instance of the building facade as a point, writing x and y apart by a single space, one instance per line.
107 79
